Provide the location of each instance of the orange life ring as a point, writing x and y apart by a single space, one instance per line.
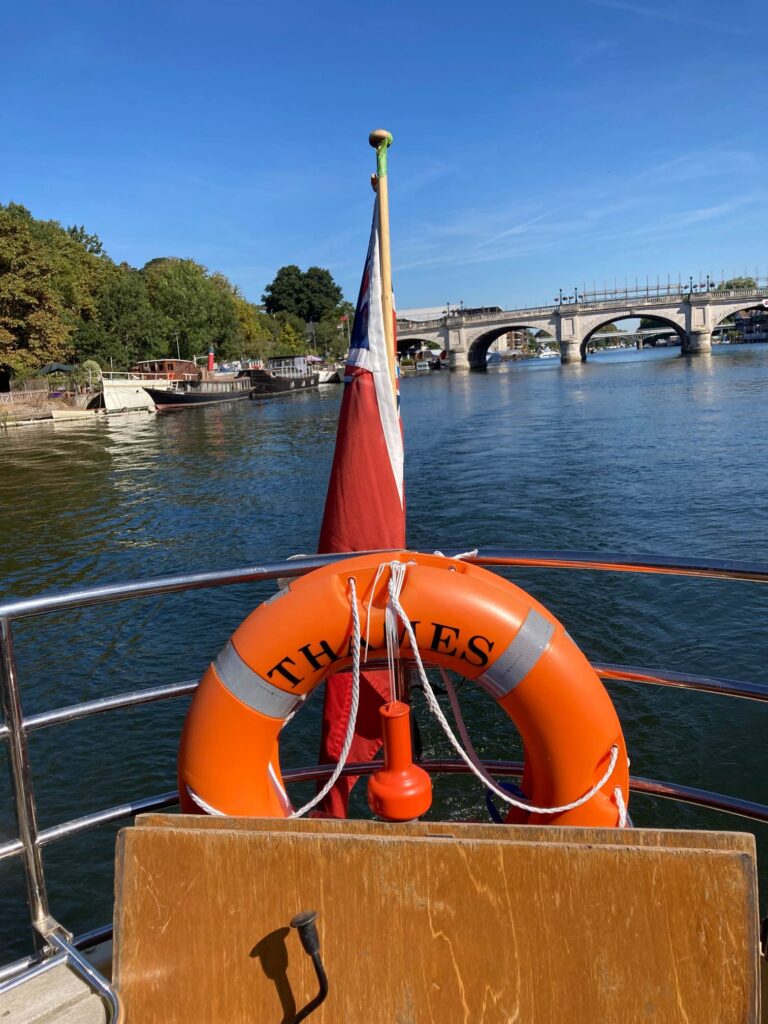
466 619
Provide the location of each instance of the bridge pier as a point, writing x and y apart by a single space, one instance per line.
570 351
457 360
697 342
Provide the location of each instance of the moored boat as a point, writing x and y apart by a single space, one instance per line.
187 393
329 374
127 391
282 374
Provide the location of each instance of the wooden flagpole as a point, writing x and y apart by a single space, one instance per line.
381 140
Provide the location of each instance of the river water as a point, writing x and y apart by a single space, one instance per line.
631 452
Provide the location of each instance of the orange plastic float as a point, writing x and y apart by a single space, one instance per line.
400 790
466 619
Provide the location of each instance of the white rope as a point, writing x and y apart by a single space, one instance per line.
379 572
450 689
464 554
397 572
352 720
436 710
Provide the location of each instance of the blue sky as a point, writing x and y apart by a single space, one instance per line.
537 146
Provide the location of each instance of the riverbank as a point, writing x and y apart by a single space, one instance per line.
33 408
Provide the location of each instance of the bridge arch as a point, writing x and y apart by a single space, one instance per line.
665 321
407 345
478 348
746 306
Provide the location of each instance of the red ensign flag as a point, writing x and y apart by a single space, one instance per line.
364 507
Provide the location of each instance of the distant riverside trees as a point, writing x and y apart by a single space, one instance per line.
64 300
737 282
308 294
313 297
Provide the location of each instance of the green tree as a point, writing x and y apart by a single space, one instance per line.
255 329
331 331
737 282
62 297
290 341
126 328
199 310
48 285
289 335
78 274
286 293
91 243
308 295
321 294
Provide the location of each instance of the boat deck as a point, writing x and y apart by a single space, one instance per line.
54 947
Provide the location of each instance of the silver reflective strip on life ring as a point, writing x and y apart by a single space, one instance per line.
514 664
249 687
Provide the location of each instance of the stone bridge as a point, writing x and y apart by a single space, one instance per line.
466 337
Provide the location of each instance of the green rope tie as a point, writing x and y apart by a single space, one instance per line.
381 156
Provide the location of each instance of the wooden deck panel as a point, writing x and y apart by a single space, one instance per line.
58 996
742 842
418 928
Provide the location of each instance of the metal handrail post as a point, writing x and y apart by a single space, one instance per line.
93 978
21 785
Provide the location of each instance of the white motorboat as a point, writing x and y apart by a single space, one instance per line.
125 391
330 373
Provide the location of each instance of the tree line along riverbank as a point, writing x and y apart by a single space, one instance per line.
63 299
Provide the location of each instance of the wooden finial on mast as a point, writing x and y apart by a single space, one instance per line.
381 140
379 135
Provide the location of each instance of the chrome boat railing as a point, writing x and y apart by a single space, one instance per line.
54 943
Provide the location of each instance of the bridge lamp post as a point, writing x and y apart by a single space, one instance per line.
690 284
575 294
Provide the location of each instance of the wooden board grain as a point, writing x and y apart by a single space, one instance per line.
420 929
683 838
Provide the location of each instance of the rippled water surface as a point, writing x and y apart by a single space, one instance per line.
632 452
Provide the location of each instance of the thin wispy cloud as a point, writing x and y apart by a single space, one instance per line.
678 17
424 177
516 229
698 164
645 208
